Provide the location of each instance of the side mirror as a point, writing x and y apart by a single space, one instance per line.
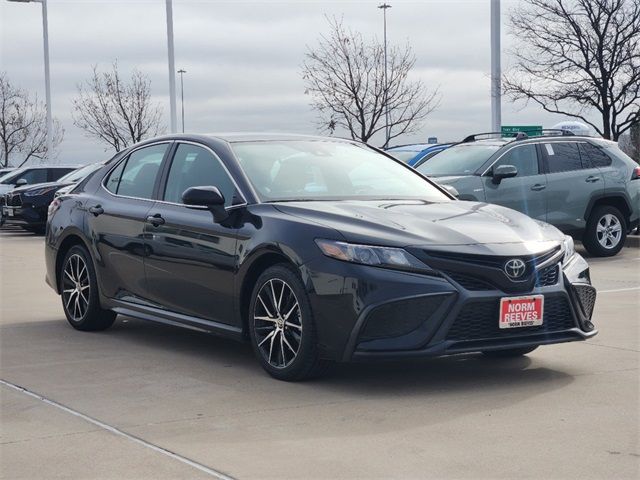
21 182
504 171
209 197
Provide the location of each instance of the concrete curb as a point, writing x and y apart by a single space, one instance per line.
632 241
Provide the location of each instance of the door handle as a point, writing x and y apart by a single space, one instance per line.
538 186
592 178
156 220
96 210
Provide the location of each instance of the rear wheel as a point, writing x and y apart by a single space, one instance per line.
79 292
509 352
282 328
606 232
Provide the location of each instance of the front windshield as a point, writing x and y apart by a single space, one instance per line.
79 174
327 170
458 160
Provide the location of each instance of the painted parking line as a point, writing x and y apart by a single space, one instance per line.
117 431
616 290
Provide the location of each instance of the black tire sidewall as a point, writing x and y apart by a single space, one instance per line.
590 240
307 355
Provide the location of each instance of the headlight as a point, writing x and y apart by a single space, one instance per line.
369 255
39 191
569 249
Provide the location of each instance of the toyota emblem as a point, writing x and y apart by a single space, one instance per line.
515 268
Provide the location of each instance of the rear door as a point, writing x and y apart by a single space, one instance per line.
526 192
116 217
191 264
571 181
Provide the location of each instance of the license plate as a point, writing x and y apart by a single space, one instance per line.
516 312
8 211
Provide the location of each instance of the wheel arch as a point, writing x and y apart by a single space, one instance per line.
252 269
613 200
71 239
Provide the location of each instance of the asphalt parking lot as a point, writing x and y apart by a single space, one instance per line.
148 401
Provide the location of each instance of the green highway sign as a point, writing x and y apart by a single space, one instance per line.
512 130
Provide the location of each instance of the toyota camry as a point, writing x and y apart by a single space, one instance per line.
316 250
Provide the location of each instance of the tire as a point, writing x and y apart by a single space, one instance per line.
82 309
606 232
284 336
509 352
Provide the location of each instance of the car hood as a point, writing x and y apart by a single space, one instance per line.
37 186
419 223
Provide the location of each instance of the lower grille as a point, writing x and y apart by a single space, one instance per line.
479 320
587 297
399 318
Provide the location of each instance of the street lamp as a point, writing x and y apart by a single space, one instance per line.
181 71
496 93
172 67
384 7
47 79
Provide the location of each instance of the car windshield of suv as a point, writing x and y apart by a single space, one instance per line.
79 174
458 160
325 170
403 156
7 178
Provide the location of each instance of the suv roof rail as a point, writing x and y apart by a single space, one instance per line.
472 138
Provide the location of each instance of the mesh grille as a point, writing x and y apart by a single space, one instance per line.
399 318
547 277
587 296
479 320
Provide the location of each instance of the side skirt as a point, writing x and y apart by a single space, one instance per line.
165 317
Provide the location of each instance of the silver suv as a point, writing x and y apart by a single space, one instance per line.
586 187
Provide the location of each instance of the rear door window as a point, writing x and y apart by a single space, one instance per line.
562 157
56 173
136 177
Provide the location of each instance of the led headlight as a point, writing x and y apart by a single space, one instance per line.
38 191
389 257
568 248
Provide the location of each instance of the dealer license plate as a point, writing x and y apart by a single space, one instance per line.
516 312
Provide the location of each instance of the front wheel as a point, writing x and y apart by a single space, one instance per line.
606 232
509 352
80 299
281 326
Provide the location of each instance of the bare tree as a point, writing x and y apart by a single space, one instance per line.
23 126
630 142
576 56
115 111
345 77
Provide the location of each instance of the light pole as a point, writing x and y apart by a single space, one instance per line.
172 67
47 79
384 7
182 71
496 75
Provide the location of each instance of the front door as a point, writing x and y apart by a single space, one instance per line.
191 263
526 192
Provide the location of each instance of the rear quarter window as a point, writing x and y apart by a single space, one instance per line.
594 156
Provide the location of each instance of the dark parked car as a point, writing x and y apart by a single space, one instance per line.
587 187
27 206
315 249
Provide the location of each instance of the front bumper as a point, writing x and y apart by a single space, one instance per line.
367 313
24 215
